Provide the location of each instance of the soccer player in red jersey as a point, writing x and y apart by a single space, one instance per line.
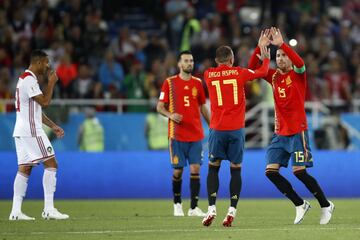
291 138
182 98
225 84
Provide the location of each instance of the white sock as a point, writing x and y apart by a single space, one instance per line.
20 186
49 185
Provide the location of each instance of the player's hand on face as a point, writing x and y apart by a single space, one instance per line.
176 117
276 36
52 76
59 132
264 39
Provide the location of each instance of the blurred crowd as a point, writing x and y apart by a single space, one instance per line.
126 49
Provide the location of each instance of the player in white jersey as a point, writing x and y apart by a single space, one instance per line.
32 144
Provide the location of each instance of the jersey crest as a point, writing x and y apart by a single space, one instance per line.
194 92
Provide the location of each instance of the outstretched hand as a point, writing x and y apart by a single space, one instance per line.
276 36
264 53
264 39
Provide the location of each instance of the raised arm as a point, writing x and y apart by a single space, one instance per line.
45 99
264 40
277 40
249 74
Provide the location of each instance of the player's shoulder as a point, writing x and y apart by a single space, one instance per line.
25 75
171 78
196 79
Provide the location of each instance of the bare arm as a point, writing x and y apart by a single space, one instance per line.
206 114
59 132
47 121
45 99
172 116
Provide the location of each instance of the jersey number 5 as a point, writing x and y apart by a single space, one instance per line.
186 101
218 90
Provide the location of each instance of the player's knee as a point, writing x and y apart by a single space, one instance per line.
271 172
299 173
235 170
51 163
195 176
213 168
176 178
25 169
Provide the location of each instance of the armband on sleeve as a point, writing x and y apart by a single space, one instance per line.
300 70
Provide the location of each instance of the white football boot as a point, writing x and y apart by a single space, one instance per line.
229 217
196 212
326 213
178 210
54 214
210 216
301 211
20 216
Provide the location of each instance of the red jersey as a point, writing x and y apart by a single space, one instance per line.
289 91
227 97
184 97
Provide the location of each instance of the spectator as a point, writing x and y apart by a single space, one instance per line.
134 84
91 133
67 73
111 73
156 131
84 84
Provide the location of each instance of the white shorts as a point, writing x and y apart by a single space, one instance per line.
33 150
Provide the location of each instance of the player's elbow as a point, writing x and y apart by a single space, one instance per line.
158 108
44 104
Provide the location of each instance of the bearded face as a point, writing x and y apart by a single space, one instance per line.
186 63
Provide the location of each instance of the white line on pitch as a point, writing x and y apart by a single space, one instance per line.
182 230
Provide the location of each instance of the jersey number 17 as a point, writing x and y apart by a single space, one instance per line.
218 88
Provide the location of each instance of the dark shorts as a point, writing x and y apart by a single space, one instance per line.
227 145
183 152
295 146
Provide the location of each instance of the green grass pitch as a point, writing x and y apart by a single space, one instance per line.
152 219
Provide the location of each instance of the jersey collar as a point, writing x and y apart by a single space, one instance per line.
33 74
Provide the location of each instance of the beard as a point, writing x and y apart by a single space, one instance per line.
188 70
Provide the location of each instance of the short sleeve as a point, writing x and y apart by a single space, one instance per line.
32 87
164 94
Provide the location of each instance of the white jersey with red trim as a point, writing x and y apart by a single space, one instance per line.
28 112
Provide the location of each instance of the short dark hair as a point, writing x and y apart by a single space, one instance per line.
37 54
186 52
223 54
